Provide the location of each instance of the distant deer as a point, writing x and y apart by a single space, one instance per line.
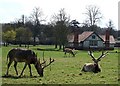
70 51
27 56
93 67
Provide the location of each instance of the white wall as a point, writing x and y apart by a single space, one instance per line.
100 44
86 42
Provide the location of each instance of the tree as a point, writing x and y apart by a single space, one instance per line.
23 35
61 32
18 22
9 36
93 15
7 27
36 18
74 24
60 22
110 26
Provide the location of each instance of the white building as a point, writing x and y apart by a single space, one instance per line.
90 39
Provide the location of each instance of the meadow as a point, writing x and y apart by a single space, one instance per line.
65 70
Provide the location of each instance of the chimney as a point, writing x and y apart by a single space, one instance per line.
76 37
107 38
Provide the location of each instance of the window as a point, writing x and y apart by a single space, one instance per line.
93 43
93 37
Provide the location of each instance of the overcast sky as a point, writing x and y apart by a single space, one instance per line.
13 9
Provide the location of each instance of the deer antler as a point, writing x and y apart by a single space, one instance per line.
44 61
51 61
102 55
91 54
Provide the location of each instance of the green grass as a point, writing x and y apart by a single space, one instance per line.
65 70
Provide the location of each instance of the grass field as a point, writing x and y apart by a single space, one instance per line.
65 70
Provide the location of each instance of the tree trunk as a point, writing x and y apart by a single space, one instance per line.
34 43
63 47
20 45
4 44
56 46
60 47
56 43
28 44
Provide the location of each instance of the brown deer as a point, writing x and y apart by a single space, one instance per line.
93 67
27 56
70 51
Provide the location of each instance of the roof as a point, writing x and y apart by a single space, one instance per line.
112 40
86 34
82 36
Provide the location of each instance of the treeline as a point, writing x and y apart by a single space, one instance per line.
31 31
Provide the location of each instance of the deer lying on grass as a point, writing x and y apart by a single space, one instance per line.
93 67
70 51
27 56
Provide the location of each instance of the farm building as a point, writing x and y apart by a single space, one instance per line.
91 40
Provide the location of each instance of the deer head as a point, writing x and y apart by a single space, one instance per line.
96 60
43 65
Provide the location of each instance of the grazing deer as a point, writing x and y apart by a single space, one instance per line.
93 67
70 51
27 56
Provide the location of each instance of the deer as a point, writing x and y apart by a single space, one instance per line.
93 67
28 57
70 51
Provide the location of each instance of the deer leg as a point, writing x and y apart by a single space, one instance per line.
23 69
30 69
8 66
73 54
65 54
15 66
69 54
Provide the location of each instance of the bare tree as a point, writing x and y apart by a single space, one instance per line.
60 22
36 18
93 14
61 16
36 15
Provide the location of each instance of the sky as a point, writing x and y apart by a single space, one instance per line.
10 10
